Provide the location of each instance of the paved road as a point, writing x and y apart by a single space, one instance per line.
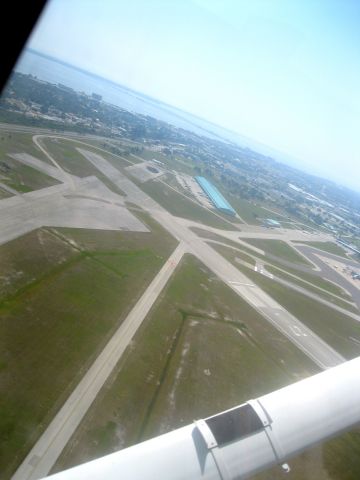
44 454
316 297
256 231
94 206
9 189
321 269
261 268
311 344
330 274
43 167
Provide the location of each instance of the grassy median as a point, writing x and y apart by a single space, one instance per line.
201 349
337 329
63 294
279 249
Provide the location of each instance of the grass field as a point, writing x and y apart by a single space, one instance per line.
65 153
21 177
312 278
180 206
232 255
318 281
250 212
19 143
178 163
338 330
14 174
4 193
313 289
19 268
149 155
64 292
279 249
329 247
337 459
199 338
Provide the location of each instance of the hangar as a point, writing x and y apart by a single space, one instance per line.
215 196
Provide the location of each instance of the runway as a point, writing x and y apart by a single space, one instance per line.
330 274
47 449
310 344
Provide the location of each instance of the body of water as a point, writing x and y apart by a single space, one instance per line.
54 71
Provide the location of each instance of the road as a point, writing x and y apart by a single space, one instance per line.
255 231
321 269
304 338
261 268
329 273
46 451
316 297
312 345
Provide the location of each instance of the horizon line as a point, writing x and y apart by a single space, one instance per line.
273 151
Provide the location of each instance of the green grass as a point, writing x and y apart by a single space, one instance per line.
68 157
149 155
19 143
250 212
329 247
178 163
158 239
313 289
316 280
279 249
30 258
169 373
23 178
180 206
338 330
4 193
337 459
342 456
233 255
72 161
16 175
64 293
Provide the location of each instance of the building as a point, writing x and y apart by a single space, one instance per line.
271 223
97 97
215 196
65 88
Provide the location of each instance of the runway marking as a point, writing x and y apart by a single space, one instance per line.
48 447
241 283
298 331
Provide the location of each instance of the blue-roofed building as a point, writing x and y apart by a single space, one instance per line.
271 223
215 196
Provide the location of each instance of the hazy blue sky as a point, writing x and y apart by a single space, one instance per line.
285 72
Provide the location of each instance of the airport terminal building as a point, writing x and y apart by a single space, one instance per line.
215 196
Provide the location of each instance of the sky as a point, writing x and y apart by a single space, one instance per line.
285 73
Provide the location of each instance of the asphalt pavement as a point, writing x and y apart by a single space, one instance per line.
46 451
